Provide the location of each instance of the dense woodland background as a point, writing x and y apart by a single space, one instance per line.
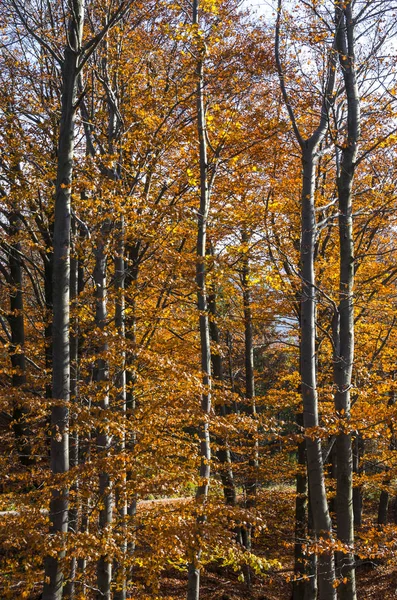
198 301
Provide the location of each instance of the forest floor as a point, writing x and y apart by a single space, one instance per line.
377 583
374 581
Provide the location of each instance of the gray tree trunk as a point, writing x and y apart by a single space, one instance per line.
104 567
193 589
16 321
343 363
131 281
310 153
54 575
358 451
84 447
383 507
318 496
120 573
48 261
248 331
229 344
251 482
223 453
69 589
300 585
311 588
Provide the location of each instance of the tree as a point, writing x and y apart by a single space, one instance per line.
138 509
310 148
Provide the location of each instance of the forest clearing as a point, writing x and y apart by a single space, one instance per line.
198 300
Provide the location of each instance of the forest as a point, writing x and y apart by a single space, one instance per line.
198 300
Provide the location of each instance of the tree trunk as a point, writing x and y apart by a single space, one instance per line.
121 502
311 588
343 363
358 451
229 344
310 154
69 590
54 575
251 482
84 447
131 282
223 453
48 260
104 567
318 496
299 591
383 507
16 321
193 589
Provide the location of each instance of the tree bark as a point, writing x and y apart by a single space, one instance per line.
383 507
69 589
223 453
54 575
299 591
193 589
358 451
318 496
16 321
48 261
120 572
251 482
310 154
343 362
84 446
104 567
131 283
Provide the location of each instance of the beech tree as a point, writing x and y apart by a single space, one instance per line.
310 148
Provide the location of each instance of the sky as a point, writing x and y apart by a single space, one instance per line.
263 7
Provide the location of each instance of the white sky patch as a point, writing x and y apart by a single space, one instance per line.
263 8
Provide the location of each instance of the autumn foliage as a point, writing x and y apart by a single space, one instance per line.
148 468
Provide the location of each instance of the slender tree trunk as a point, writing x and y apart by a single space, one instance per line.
343 365
395 510
311 588
248 329
318 496
229 344
69 590
49 303
301 523
16 321
104 567
54 575
131 283
84 447
383 507
223 454
193 590
310 154
333 470
358 451
251 482
119 267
